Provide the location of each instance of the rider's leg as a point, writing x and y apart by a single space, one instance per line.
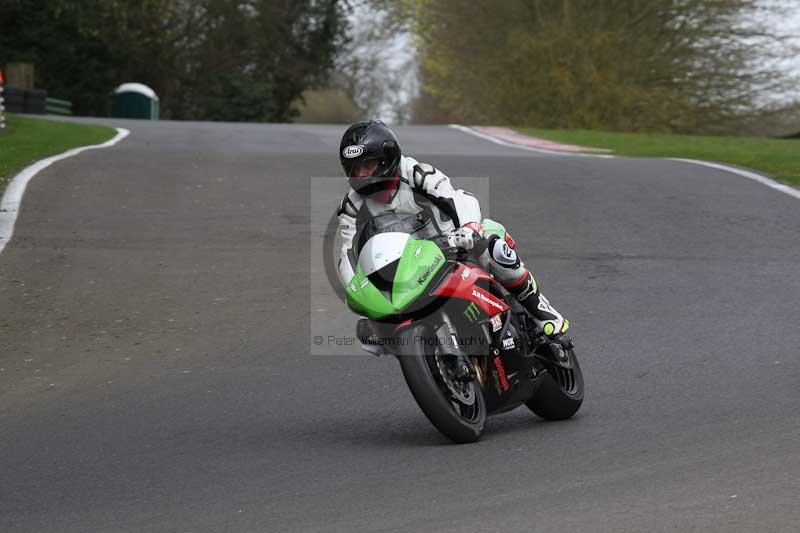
526 290
502 261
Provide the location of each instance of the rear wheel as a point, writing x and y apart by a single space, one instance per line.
456 408
560 393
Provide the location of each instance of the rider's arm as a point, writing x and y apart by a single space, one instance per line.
348 210
436 184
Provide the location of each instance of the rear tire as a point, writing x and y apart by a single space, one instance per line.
560 393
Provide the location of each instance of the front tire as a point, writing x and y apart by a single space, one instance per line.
455 419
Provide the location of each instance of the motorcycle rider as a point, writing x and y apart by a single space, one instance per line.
384 181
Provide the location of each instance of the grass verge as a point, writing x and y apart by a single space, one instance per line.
779 158
27 140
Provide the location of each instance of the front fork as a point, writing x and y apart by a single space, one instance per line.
448 345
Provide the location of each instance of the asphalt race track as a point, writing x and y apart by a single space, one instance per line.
156 371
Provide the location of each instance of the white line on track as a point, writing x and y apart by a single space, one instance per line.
791 191
501 142
9 205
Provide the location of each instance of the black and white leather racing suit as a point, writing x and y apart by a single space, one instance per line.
432 207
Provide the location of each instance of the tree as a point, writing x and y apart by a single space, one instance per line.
374 66
207 59
656 65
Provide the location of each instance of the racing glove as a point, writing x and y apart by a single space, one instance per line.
465 236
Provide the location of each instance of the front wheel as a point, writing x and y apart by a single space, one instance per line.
456 409
560 393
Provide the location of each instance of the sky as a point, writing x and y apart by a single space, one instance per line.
789 24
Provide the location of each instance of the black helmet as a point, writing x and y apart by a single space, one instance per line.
367 141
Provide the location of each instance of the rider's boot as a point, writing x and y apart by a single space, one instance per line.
545 316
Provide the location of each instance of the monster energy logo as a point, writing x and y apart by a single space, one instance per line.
471 312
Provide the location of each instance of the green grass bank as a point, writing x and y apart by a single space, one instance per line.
779 158
27 140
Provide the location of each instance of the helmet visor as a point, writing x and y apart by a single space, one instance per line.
371 185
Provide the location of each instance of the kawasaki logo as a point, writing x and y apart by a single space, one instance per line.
352 151
480 296
425 275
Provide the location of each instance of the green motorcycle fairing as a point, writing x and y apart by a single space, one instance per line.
490 227
417 266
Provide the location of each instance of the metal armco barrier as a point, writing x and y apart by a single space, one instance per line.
58 107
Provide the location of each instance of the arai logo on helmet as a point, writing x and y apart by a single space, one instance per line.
352 151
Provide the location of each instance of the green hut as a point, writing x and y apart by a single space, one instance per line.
134 100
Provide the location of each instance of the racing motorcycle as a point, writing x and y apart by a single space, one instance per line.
467 348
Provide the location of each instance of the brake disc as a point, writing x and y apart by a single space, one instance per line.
464 392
